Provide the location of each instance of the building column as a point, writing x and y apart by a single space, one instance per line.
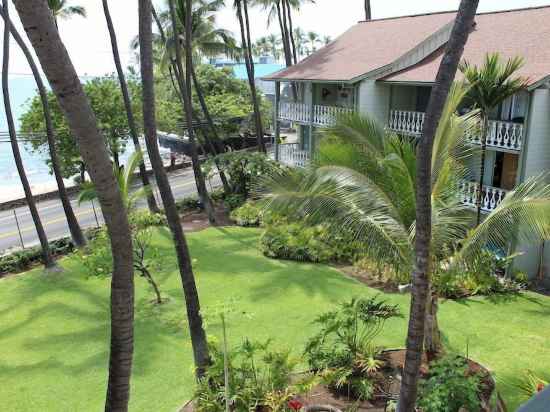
276 126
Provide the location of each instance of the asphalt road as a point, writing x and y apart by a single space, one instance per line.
88 214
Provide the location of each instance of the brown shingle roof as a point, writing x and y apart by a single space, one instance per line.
364 47
524 33
371 45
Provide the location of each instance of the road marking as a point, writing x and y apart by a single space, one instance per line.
63 218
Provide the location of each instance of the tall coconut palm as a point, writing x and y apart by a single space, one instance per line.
39 25
207 40
261 47
492 83
198 336
151 202
241 7
62 11
46 253
462 27
185 93
274 43
313 39
74 228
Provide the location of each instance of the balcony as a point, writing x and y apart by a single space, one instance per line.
290 154
305 114
501 135
490 197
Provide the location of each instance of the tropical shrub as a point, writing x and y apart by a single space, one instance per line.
343 351
484 275
22 259
528 384
249 214
96 258
189 204
234 200
258 377
449 387
296 241
243 169
141 219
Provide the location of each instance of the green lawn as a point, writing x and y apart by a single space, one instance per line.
54 327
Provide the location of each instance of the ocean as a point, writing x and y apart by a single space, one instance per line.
22 90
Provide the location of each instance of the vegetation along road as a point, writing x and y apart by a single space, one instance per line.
51 212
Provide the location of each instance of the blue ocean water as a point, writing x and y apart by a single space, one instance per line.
22 90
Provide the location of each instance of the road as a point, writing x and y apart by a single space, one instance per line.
88 214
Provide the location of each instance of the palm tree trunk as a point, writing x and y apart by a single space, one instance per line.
217 146
368 14
74 228
284 32
46 253
420 283
198 336
484 131
185 91
151 202
40 28
432 334
250 71
291 32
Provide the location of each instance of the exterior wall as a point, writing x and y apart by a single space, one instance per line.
374 100
536 159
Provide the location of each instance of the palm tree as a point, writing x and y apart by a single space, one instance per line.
151 202
242 6
261 47
368 13
74 228
198 336
185 93
56 63
124 176
363 183
61 10
492 83
326 40
300 39
274 42
463 24
313 38
46 253
207 40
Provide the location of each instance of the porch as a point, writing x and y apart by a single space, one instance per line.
501 135
306 114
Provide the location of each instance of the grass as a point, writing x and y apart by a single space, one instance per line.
55 327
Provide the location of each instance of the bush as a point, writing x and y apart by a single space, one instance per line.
296 241
260 379
189 204
247 215
449 388
343 351
141 219
96 258
23 259
483 276
234 201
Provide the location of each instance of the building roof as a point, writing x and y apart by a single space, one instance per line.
524 33
368 46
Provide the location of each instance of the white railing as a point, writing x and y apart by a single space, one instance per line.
500 134
504 135
327 115
406 122
290 154
303 113
490 196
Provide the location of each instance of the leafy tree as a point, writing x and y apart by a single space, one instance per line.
57 65
108 105
491 84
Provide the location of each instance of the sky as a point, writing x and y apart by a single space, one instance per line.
88 42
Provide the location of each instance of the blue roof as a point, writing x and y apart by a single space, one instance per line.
260 70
